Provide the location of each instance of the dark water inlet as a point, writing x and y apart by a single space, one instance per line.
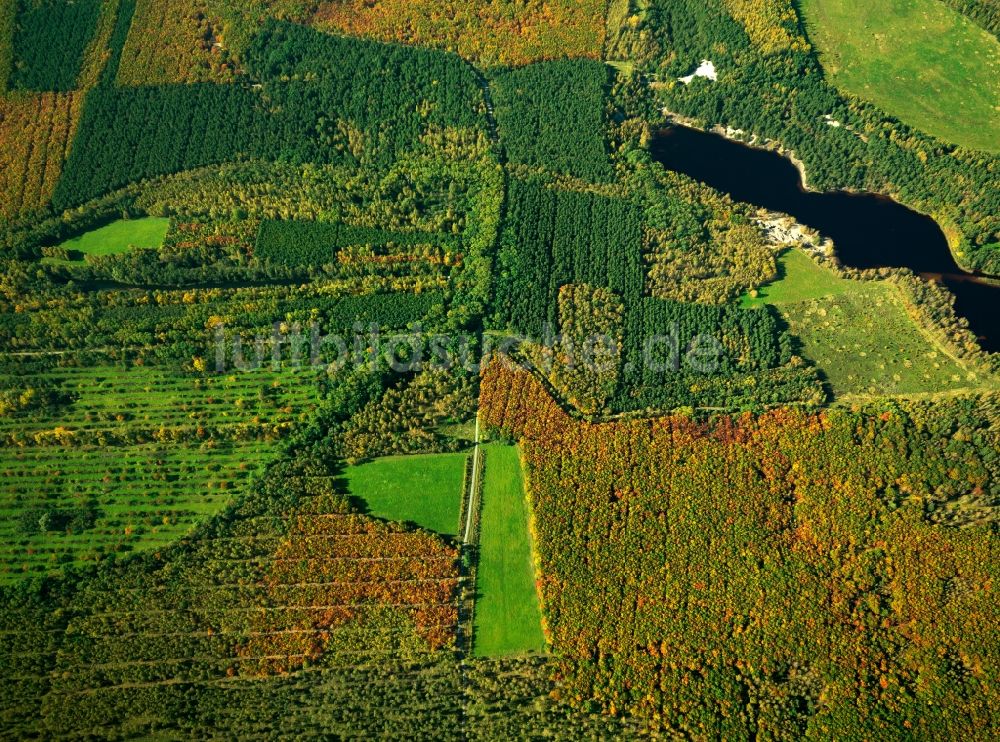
869 230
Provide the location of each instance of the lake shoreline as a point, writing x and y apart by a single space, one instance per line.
752 141
868 230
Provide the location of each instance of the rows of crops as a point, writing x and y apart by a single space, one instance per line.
106 459
66 506
291 578
35 135
133 402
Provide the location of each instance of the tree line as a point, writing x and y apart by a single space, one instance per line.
783 557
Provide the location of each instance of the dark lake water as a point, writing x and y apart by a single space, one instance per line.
869 231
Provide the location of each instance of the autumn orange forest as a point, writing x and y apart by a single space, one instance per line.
523 369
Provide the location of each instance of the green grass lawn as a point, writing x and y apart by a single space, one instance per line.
859 333
426 490
799 278
919 60
508 618
120 236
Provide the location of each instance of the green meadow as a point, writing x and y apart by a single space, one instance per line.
508 619
426 490
859 332
919 60
121 236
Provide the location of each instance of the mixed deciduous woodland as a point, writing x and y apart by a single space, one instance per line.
793 559
709 482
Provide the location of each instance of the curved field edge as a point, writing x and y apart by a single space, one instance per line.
916 59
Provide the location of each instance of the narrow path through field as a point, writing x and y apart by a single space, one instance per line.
473 486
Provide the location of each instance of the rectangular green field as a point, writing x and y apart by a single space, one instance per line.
426 490
508 617
121 236
919 60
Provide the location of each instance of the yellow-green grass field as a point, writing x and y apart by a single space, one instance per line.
859 333
426 490
919 60
121 236
508 619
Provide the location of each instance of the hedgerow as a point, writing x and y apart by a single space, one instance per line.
177 324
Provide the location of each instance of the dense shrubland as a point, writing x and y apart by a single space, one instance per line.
180 323
403 420
507 32
588 354
174 42
700 247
